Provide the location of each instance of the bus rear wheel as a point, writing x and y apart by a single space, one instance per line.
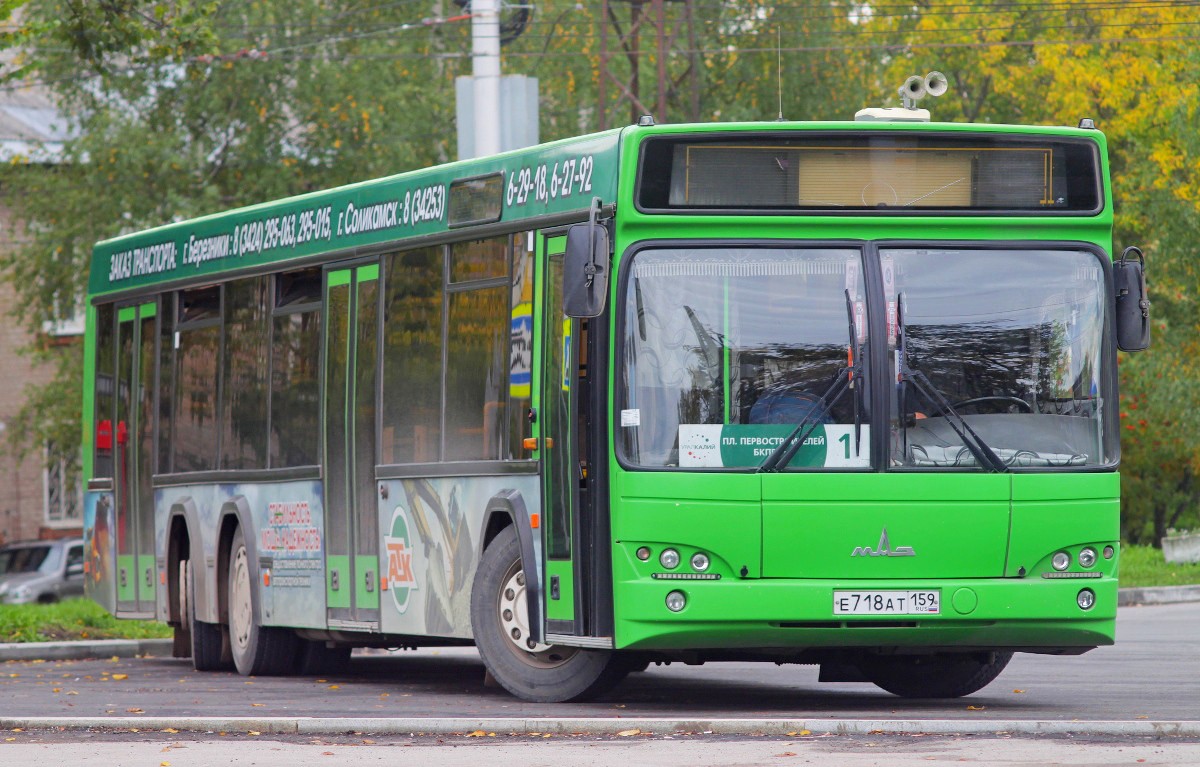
209 650
257 650
531 671
942 675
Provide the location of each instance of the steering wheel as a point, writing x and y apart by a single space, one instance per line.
995 398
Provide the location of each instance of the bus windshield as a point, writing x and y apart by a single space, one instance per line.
1003 343
728 350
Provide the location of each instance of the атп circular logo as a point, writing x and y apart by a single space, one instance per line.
402 579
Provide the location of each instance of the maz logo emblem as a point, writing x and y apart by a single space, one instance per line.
884 550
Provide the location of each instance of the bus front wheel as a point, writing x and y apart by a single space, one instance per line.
942 675
531 671
257 650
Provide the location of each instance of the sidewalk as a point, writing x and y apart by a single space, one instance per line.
128 648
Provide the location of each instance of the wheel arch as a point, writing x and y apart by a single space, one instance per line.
507 508
235 514
179 547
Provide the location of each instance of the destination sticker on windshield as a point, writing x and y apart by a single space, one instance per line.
829 445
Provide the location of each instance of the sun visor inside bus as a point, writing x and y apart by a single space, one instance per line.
885 172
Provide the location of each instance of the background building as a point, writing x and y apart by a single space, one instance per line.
40 496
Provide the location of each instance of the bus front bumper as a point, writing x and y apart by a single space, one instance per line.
1033 614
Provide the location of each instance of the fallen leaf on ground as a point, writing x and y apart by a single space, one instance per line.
627 733
119 677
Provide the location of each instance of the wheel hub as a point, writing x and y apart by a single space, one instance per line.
514 615
239 608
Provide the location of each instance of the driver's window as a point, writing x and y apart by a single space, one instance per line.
736 347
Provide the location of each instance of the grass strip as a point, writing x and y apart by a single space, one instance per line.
71 619
1144 566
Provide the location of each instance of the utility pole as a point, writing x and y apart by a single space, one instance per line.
485 68
676 60
495 114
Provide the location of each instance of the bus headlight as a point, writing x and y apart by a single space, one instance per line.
1087 557
676 601
700 561
669 559
1061 561
643 553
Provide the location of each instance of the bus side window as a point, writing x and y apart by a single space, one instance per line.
412 356
102 435
295 370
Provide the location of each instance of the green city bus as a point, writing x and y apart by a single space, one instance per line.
831 393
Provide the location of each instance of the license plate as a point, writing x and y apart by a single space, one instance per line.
886 602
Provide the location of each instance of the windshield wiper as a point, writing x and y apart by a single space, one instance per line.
984 455
786 450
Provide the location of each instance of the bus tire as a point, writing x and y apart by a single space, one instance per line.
316 658
942 675
206 638
543 673
257 650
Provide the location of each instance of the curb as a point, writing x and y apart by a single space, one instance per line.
93 648
608 727
1157 595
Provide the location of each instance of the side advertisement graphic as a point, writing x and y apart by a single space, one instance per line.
431 530
287 522
98 549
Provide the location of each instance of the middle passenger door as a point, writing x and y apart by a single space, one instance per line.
577 594
351 524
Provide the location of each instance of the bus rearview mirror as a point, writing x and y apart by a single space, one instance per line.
585 270
1132 306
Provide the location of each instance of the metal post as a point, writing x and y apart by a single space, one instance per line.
485 67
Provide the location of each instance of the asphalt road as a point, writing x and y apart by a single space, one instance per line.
117 750
1150 674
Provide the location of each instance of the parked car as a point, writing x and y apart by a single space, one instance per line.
41 571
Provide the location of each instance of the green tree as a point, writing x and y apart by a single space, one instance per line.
1131 68
187 107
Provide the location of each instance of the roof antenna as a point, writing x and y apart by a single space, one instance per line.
779 74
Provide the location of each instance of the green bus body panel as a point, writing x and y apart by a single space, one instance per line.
366 593
716 513
1063 512
340 597
884 525
563 608
89 393
127 586
553 178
